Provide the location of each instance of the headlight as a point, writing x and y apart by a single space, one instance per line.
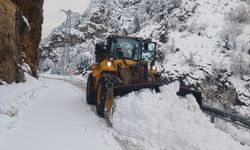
109 63
154 68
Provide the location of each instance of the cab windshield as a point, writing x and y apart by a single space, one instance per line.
125 48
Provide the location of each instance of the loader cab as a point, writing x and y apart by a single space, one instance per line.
122 47
133 48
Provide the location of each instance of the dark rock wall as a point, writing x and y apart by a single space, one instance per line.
10 51
18 42
32 10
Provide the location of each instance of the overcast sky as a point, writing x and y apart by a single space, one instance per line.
52 15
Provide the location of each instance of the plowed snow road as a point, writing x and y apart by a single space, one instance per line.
60 120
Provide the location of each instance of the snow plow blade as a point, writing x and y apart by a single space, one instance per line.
125 89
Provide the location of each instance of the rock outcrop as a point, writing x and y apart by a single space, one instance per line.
20 35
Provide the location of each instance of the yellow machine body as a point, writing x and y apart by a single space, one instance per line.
98 69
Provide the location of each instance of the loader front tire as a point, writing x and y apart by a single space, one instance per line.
104 97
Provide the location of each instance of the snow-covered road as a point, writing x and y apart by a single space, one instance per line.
60 120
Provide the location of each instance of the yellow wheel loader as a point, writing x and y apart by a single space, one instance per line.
123 64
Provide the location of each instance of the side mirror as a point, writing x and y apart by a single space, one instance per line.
149 52
151 47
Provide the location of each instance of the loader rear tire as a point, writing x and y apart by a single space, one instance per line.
90 95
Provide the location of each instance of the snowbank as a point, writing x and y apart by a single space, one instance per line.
240 134
15 98
148 120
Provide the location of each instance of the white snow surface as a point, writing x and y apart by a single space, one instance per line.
58 119
157 121
51 113
14 99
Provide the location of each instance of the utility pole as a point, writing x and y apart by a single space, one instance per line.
66 60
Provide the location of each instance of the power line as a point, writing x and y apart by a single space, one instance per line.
67 42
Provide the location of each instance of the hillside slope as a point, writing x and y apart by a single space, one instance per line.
202 43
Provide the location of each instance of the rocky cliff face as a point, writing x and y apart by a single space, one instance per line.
20 34
32 10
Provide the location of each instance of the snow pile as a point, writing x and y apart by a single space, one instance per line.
147 120
15 98
240 134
